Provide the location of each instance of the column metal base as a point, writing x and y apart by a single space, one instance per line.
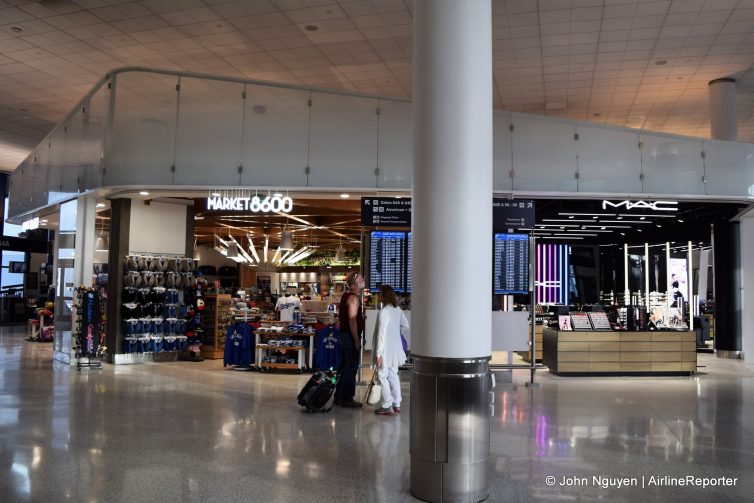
435 482
450 429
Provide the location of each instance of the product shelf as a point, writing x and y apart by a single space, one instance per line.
281 348
270 365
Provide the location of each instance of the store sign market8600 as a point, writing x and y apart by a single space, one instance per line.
254 204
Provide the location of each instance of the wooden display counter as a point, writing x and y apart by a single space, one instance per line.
619 352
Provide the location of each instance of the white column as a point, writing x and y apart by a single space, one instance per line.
722 109
452 189
86 235
452 180
747 285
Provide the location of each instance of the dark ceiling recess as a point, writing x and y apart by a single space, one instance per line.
328 223
588 222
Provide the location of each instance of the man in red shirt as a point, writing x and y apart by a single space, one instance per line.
351 321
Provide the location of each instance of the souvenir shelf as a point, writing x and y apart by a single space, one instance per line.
216 318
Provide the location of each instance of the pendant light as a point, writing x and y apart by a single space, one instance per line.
102 243
232 250
340 253
286 240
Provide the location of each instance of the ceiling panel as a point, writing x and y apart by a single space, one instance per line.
627 63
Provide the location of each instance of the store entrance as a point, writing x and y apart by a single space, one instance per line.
254 279
268 270
642 265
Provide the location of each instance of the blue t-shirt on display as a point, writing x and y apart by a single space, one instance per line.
238 346
327 349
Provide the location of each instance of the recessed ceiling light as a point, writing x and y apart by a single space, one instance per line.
595 218
100 205
658 225
622 233
571 216
602 228
143 193
661 62
345 196
620 218
197 217
680 220
311 27
638 230
642 218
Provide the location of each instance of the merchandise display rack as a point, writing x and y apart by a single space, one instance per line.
304 354
216 318
88 317
153 314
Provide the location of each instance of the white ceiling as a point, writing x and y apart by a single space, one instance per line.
593 60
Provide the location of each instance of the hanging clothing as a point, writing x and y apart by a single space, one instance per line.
327 354
239 344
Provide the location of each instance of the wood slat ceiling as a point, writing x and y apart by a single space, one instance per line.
321 222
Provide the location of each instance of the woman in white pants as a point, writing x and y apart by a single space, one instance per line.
388 350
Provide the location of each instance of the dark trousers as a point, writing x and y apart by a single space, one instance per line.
349 365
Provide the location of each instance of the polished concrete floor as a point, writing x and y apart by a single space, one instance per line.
190 432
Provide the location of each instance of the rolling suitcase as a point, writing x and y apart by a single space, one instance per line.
317 392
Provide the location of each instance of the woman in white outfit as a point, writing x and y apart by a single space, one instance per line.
388 350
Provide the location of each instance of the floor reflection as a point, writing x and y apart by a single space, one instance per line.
184 431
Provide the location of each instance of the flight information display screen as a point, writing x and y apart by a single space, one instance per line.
388 260
510 264
408 265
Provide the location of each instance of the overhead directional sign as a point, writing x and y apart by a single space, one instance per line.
512 214
385 212
392 212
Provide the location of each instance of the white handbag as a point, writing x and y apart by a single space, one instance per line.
374 391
